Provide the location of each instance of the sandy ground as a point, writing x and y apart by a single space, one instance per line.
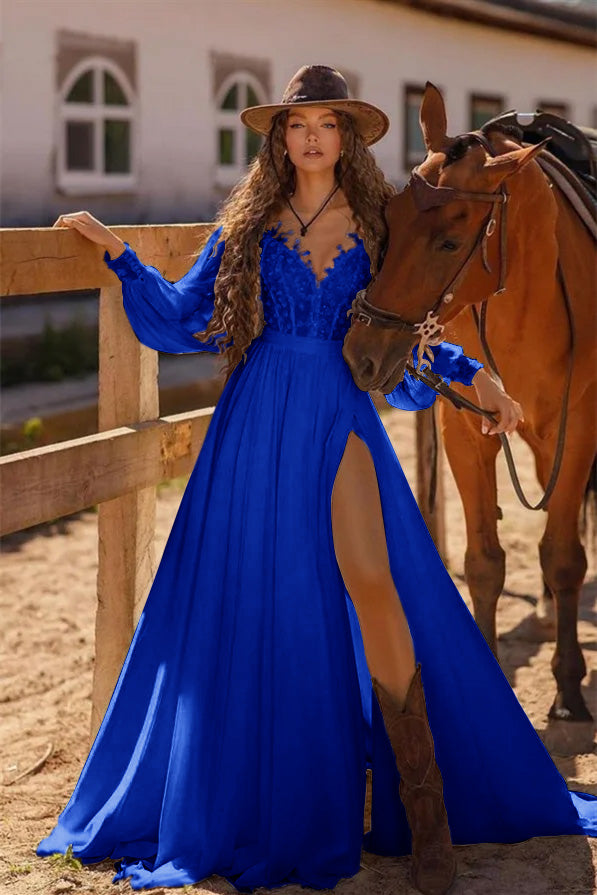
47 580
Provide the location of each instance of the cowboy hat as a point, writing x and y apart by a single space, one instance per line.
316 85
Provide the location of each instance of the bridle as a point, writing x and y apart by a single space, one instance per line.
430 329
426 196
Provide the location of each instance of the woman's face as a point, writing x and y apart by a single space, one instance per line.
313 138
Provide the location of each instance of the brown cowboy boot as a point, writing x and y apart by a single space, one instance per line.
421 786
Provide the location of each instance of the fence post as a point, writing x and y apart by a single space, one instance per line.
128 393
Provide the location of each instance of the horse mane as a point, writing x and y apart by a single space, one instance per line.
462 142
457 149
511 130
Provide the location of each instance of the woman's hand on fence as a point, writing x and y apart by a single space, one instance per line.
92 229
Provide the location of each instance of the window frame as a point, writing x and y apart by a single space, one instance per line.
409 160
558 104
229 119
486 98
96 181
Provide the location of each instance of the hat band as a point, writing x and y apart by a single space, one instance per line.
310 98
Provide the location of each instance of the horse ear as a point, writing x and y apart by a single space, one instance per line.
432 118
511 162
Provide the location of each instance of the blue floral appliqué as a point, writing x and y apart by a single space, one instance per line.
303 304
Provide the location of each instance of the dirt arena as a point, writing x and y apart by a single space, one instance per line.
47 587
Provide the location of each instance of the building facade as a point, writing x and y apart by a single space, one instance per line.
129 108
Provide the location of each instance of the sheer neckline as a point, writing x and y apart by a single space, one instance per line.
274 231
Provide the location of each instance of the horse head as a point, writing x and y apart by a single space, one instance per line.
440 254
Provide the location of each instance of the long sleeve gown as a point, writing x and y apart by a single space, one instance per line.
241 726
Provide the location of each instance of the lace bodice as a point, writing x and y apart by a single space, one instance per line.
295 300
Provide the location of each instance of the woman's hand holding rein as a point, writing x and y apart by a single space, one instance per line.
92 229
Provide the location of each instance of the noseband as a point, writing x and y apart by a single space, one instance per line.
427 196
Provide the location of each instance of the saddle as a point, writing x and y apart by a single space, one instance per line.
571 159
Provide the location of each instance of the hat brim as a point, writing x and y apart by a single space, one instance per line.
371 123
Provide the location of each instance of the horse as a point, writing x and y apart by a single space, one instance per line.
442 258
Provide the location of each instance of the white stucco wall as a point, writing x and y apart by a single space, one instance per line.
385 45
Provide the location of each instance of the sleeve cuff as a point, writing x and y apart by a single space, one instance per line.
467 367
451 363
126 265
411 394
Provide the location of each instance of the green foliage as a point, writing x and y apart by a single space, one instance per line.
179 483
66 859
31 433
32 430
20 868
52 356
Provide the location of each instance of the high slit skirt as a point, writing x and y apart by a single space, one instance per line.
238 735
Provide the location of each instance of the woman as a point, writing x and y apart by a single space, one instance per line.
299 578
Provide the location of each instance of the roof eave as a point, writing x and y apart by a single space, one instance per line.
506 18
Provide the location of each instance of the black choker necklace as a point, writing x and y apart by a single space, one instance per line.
304 227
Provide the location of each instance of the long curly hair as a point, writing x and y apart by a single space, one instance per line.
238 313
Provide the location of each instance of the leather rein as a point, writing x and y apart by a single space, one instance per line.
429 331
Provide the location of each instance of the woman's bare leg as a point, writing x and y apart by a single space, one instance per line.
361 550
362 555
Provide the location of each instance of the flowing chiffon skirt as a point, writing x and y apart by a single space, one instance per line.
239 732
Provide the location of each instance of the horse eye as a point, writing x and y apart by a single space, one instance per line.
448 245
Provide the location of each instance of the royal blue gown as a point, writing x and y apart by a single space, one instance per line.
238 735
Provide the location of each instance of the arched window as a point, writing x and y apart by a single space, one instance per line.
236 144
96 118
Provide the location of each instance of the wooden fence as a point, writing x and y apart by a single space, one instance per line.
134 449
